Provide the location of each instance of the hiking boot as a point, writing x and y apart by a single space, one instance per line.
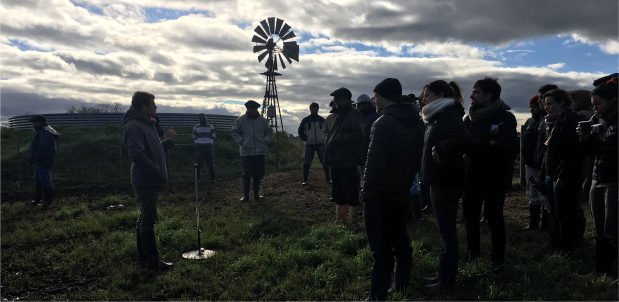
38 195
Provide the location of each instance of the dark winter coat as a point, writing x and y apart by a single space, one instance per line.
451 138
310 130
493 151
148 166
344 144
564 153
394 157
603 147
43 146
369 116
540 145
531 131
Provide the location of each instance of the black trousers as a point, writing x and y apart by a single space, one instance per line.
345 189
493 211
253 167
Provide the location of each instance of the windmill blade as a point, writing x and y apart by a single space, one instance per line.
290 35
285 30
274 62
266 27
262 55
259 48
272 24
282 61
257 39
287 57
293 43
293 52
278 26
259 31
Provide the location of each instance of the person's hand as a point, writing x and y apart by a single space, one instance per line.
581 133
171 134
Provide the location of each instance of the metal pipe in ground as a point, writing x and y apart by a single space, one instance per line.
200 253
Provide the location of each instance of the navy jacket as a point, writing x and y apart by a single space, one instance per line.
43 146
493 150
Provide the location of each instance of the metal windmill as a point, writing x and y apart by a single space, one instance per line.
271 42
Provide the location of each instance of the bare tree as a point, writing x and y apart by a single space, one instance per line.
98 108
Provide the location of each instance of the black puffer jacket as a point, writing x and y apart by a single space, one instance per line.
447 132
540 145
604 147
344 144
492 153
564 153
394 157
531 131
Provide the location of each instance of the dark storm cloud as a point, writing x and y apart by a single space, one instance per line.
17 102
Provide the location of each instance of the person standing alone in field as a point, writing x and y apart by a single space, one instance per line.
310 131
344 153
531 135
393 159
43 155
204 138
148 172
493 129
253 133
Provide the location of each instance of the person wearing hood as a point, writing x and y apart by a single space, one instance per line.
562 167
492 154
446 140
204 137
531 126
604 147
42 154
310 131
393 159
148 172
253 133
344 153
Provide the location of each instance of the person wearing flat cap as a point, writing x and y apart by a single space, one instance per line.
393 159
344 153
253 133
42 154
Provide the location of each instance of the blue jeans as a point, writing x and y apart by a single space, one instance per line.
446 219
309 154
414 188
42 176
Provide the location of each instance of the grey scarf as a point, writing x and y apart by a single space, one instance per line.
479 114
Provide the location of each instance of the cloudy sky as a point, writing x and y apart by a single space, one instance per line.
196 56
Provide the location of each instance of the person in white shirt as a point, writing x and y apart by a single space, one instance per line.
204 137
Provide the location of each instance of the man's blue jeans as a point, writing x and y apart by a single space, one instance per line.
42 176
309 154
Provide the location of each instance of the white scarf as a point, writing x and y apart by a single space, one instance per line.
434 108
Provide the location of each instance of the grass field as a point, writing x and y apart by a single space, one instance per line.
282 248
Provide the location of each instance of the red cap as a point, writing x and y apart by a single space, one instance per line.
534 100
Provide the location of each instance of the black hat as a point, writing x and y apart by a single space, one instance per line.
252 104
38 118
343 92
390 89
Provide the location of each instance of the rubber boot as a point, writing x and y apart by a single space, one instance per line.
38 189
448 269
401 277
48 196
328 175
340 214
353 217
604 257
257 189
212 171
533 217
379 286
149 247
417 214
544 225
246 185
306 175
141 256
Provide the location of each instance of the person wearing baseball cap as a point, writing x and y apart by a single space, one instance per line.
531 128
42 154
253 133
344 153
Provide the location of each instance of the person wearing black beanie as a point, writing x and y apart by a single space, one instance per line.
390 89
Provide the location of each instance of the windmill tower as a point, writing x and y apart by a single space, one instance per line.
271 41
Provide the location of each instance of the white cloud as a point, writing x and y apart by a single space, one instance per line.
556 66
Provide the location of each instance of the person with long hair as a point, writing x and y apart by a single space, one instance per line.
603 146
445 140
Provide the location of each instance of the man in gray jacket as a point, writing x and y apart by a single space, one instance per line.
252 132
344 153
148 172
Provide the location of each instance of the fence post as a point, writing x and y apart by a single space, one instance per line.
120 158
18 164
523 170
71 158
